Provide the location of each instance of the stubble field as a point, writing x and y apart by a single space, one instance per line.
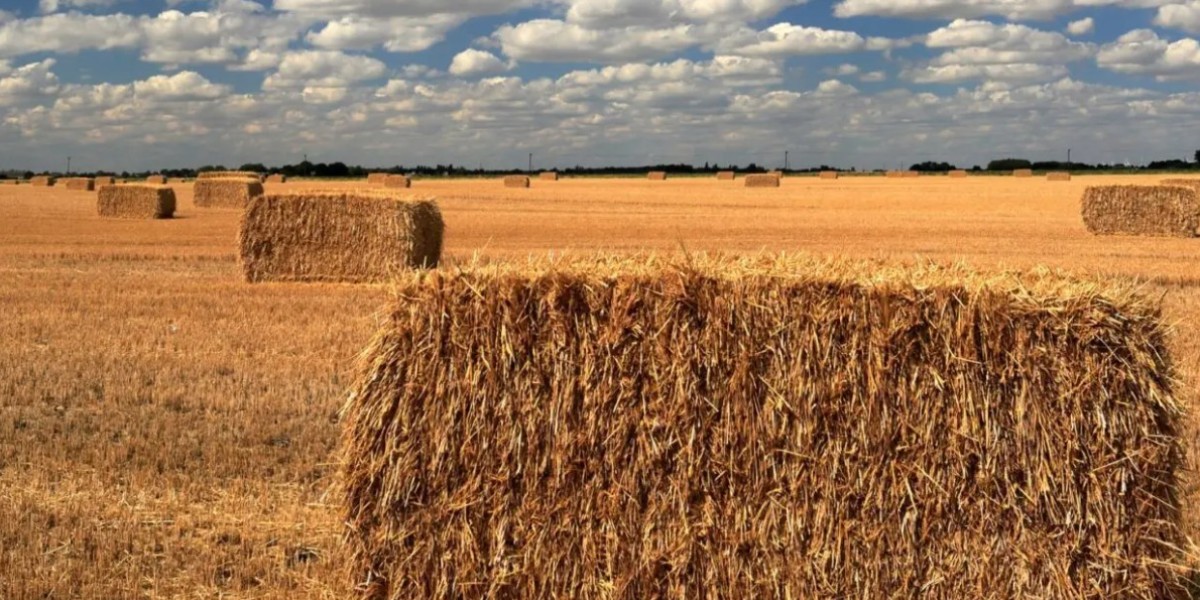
166 431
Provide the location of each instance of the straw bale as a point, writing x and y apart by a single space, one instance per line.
1023 173
761 180
79 184
830 175
910 174
376 178
895 174
777 174
225 193
1187 183
516 181
156 180
397 182
656 176
136 201
277 178
230 175
102 181
548 176
358 237
1162 211
958 174
786 429
1058 176
726 175
9 182
43 181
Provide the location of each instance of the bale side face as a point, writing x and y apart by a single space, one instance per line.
829 175
277 178
136 201
548 176
516 181
79 184
1023 173
1058 177
43 181
958 174
656 176
1161 211
762 181
762 433
354 237
156 180
376 178
401 182
726 176
225 193
101 181
230 175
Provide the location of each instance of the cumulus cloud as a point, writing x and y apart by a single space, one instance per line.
786 39
472 62
1081 27
1184 16
969 9
550 40
985 50
1143 52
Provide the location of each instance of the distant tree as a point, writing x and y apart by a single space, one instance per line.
253 167
1197 156
932 167
1009 164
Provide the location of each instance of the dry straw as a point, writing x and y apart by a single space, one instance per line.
910 174
79 184
776 429
156 180
957 174
516 181
762 180
1058 177
549 176
277 178
777 174
103 181
397 182
358 237
1023 173
43 181
230 175
1188 183
1163 211
895 174
656 176
136 201
726 176
376 178
225 193
830 175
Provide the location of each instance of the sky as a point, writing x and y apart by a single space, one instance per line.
147 84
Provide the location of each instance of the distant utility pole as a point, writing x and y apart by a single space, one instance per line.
1068 157
786 163
530 162
68 165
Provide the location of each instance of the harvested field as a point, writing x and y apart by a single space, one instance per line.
225 193
829 175
168 431
762 181
78 184
156 180
377 178
277 178
1058 177
548 176
43 181
136 201
1142 210
656 176
895 174
726 176
1023 173
356 237
958 174
826 369
397 182
516 181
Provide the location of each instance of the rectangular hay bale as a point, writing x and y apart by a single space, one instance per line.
363 236
43 181
1023 173
656 176
79 184
377 178
277 178
910 174
895 174
1157 211
726 176
105 180
830 175
225 193
1058 177
516 181
548 176
230 175
397 182
762 180
156 180
787 429
136 201
958 174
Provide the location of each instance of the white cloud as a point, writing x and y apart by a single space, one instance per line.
394 34
400 8
186 86
1081 27
472 62
1142 52
970 9
1184 16
548 40
786 39
323 69
985 50
602 14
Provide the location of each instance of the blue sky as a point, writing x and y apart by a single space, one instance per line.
145 84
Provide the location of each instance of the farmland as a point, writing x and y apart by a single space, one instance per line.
167 430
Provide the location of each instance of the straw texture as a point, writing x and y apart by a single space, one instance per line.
516 181
376 178
726 176
43 181
79 184
356 237
1058 177
230 175
156 180
656 176
958 174
102 181
277 178
1023 173
399 182
829 175
787 429
761 181
1163 211
548 176
226 193
136 201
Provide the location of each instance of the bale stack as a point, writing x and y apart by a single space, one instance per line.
549 176
226 193
156 180
79 184
726 176
957 174
357 237
516 181
43 181
1160 211
1023 173
277 178
795 429
377 178
397 182
762 180
830 175
1058 177
103 181
136 201
656 176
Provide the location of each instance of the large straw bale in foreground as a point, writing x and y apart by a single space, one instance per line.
226 193
656 176
1165 211
726 175
136 201
761 180
79 184
401 182
43 181
358 237
516 181
1187 183
789 430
